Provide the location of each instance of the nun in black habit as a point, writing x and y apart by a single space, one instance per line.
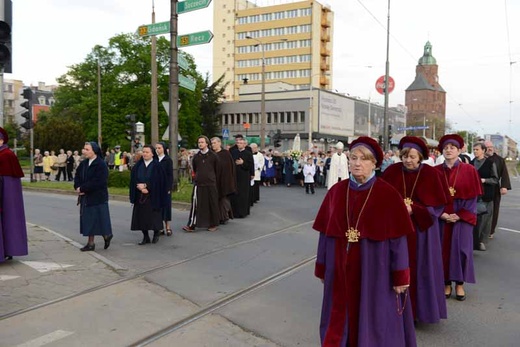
148 194
91 184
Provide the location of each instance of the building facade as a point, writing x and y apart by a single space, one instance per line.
292 40
425 98
505 146
329 116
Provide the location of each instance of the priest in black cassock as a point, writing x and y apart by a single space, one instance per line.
243 164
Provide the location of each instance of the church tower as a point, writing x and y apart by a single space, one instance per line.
426 99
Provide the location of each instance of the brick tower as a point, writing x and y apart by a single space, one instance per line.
426 99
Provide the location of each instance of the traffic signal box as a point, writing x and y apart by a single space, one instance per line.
27 94
5 37
278 138
130 127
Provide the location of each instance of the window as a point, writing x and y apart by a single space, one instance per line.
282 117
268 117
302 117
292 13
237 118
250 118
292 30
256 117
291 44
275 117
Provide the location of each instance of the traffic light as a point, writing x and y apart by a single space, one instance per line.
389 132
380 140
27 94
5 37
130 127
278 138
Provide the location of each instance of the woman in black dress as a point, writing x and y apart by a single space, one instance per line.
148 195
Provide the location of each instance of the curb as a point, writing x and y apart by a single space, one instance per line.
178 205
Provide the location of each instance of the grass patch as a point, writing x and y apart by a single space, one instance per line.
183 193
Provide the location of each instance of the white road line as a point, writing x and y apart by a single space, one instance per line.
511 230
46 339
99 257
7 277
42 267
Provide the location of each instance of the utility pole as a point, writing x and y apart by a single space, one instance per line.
174 91
154 121
386 142
100 136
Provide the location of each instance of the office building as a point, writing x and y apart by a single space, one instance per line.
294 39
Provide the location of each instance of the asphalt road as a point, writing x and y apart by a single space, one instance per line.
248 284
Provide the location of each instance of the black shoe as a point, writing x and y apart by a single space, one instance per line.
107 241
460 297
146 239
88 248
155 238
8 257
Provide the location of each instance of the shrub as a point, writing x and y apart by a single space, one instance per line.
119 179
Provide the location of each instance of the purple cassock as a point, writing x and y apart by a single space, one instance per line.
359 305
425 251
457 238
13 232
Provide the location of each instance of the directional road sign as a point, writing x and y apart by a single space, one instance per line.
199 38
183 63
413 128
192 5
154 29
187 82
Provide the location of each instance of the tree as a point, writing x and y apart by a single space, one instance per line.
53 133
210 105
469 138
125 89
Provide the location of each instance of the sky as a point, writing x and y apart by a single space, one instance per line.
476 44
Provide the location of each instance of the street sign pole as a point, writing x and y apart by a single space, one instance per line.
174 92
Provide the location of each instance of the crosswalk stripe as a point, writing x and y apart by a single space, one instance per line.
46 339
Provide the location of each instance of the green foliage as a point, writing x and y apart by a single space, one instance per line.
13 130
54 133
469 138
119 179
210 105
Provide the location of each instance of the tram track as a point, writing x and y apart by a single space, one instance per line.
192 318
157 269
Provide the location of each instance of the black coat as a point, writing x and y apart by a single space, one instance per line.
155 179
93 181
167 165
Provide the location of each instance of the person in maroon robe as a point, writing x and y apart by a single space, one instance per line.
462 186
419 185
363 257
13 232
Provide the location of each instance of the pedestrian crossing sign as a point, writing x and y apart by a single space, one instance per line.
225 133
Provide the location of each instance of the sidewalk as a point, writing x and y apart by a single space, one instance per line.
54 268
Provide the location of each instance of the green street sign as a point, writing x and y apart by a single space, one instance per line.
193 39
192 5
187 82
154 29
183 63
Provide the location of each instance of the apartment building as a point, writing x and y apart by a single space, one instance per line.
292 39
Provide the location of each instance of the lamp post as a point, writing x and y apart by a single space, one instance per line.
311 107
262 96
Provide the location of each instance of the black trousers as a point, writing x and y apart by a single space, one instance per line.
309 186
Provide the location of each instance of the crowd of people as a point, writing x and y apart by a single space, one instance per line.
420 247
395 241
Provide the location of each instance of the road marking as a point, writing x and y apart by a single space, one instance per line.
41 266
511 230
46 339
7 277
78 245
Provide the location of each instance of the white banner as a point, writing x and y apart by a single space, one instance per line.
336 115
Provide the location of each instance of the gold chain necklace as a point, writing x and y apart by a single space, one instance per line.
452 187
408 200
353 234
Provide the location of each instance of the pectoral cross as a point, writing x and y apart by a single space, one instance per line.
408 202
352 235
452 191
